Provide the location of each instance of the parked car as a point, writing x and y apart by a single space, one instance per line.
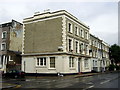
14 74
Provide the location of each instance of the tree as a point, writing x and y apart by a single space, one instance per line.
115 53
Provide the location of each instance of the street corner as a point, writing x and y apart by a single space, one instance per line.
9 86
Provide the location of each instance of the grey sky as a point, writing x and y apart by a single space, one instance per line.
102 17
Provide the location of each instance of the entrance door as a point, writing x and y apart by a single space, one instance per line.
79 65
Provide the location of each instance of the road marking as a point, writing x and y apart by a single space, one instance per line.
89 83
104 81
18 86
91 86
88 87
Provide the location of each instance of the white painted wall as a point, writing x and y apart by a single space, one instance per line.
61 65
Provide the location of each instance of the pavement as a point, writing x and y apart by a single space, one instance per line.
8 86
5 85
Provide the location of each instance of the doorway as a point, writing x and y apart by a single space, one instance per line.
79 65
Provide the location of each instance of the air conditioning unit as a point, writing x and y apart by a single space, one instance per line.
60 48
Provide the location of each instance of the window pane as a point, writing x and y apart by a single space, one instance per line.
44 61
70 43
69 61
3 47
37 61
4 35
69 27
52 62
72 62
41 61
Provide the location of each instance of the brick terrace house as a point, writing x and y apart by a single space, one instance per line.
10 45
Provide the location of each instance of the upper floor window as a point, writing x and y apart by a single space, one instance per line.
86 49
81 47
4 34
93 42
41 61
76 47
86 35
95 63
82 33
3 46
70 27
76 30
70 45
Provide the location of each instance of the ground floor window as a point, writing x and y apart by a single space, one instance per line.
86 63
41 61
52 62
71 61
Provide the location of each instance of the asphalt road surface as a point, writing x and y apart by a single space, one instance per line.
105 80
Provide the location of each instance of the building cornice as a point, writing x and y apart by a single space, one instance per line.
54 53
53 14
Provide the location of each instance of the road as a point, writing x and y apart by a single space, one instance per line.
105 80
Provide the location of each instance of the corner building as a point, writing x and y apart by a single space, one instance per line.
55 42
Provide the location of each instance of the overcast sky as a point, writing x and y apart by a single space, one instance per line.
101 17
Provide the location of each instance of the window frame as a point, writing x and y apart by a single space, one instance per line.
70 27
77 46
41 60
4 35
71 62
52 63
76 30
86 64
70 44
3 49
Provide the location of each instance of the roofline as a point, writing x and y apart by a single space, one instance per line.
8 22
95 37
103 42
56 13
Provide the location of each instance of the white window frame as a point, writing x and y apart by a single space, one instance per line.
71 30
54 63
86 35
82 47
86 65
77 46
39 59
70 49
3 35
71 62
76 30
87 50
2 46
82 33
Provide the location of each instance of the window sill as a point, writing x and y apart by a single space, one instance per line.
51 68
3 50
77 35
70 32
72 68
86 67
41 66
